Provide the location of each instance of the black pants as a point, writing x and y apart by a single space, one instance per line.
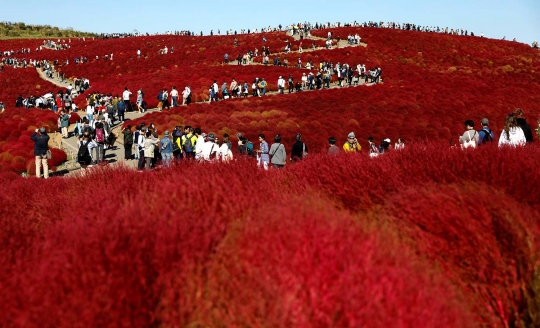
121 115
141 159
128 105
127 151
291 88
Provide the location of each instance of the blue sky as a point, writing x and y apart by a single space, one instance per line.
518 19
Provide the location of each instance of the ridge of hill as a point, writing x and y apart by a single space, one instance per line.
21 30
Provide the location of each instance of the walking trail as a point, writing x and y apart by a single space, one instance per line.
115 156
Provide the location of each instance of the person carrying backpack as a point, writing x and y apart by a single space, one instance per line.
128 142
84 157
485 135
165 99
188 143
470 137
101 135
176 139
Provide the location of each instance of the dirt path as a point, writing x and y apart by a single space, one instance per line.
341 44
116 156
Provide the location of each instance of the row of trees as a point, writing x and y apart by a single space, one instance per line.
15 30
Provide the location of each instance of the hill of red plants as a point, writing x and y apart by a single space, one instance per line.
430 236
424 237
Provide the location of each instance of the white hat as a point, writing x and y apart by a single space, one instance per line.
387 140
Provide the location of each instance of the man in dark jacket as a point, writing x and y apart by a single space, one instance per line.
41 146
520 118
299 149
19 101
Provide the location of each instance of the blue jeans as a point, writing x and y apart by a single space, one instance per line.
174 101
166 158
90 117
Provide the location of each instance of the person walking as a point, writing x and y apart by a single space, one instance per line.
41 147
519 114
512 134
64 123
263 157
470 137
121 108
101 136
333 149
125 96
149 146
299 149
277 151
166 149
174 96
139 102
128 142
281 84
485 135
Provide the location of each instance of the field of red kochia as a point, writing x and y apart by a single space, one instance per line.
332 241
430 236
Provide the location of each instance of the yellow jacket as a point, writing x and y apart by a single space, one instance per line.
193 139
348 148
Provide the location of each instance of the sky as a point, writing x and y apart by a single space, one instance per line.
518 19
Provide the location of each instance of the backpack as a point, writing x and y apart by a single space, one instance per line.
471 143
164 96
100 135
487 136
188 144
249 147
83 155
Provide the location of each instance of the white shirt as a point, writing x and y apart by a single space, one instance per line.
517 137
185 93
224 153
208 149
199 147
126 94
89 110
174 93
281 83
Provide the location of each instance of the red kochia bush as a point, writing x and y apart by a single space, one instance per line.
310 266
485 240
342 241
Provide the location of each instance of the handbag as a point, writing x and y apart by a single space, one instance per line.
49 154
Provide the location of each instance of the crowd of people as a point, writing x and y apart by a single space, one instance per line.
143 143
60 44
